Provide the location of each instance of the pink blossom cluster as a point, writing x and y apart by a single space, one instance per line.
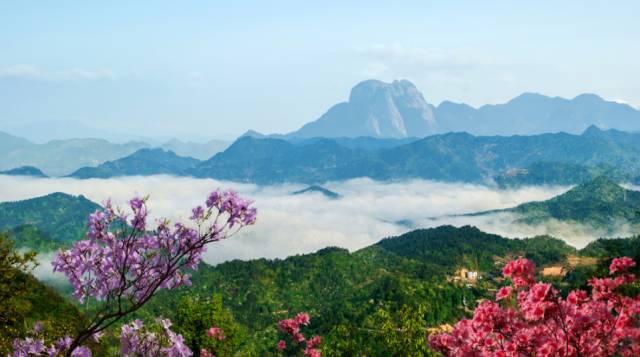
213 332
216 332
292 328
539 321
136 340
521 271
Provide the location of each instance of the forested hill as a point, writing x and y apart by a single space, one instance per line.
562 174
447 247
600 202
57 218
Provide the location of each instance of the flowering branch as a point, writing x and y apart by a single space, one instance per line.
123 268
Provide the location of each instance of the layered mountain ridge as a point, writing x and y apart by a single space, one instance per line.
458 157
63 157
143 162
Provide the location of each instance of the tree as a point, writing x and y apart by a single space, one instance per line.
404 335
196 317
530 318
13 288
12 264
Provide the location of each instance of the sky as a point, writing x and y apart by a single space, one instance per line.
211 69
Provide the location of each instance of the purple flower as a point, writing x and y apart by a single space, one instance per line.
197 213
136 340
37 327
136 203
214 199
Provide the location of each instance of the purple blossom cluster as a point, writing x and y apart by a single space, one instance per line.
136 340
133 262
34 346
124 262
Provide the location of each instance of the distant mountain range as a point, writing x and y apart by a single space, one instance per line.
601 203
143 162
384 131
200 151
60 157
552 159
447 157
63 157
399 110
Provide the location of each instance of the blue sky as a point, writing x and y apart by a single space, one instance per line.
213 69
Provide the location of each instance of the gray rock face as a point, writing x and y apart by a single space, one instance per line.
398 110
376 109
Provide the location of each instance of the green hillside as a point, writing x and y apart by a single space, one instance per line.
345 291
600 202
352 295
559 173
26 300
58 218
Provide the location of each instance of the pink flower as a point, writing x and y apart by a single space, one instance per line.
504 293
621 265
299 343
577 296
313 342
303 318
216 332
205 353
311 352
521 271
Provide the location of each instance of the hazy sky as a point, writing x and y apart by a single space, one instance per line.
212 69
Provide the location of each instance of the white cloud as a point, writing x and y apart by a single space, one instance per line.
398 53
30 72
622 101
366 212
375 70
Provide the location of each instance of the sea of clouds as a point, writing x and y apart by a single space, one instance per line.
366 211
